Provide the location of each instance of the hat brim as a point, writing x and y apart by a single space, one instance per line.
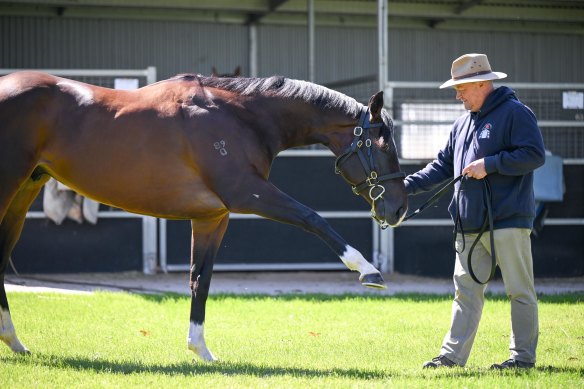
480 77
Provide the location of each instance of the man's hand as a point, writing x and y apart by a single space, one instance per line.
475 169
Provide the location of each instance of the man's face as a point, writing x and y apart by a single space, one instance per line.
471 94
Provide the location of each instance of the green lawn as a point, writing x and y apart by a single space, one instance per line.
128 340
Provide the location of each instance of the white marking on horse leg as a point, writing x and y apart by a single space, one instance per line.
80 92
356 262
8 334
196 342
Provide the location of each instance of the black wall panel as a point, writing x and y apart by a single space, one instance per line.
252 241
109 246
558 251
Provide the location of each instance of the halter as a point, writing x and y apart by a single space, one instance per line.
367 158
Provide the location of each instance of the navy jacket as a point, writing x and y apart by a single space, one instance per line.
505 133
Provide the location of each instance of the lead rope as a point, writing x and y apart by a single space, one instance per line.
458 224
488 222
434 198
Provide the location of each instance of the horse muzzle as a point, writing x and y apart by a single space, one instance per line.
385 212
387 215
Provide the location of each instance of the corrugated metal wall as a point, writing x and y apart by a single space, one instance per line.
427 55
341 52
173 47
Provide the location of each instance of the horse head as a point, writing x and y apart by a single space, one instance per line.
370 165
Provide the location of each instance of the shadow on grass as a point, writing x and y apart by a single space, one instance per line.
575 297
255 370
187 368
486 371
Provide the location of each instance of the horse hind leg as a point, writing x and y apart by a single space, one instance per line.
206 239
7 331
10 229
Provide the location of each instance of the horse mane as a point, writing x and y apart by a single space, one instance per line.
279 86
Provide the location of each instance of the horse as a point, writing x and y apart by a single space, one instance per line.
236 72
190 147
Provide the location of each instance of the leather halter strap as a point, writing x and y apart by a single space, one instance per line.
361 146
366 156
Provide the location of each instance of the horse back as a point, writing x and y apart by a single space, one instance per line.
31 84
128 149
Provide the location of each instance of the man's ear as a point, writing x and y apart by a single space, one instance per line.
375 107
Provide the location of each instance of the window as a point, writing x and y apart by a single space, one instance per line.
425 128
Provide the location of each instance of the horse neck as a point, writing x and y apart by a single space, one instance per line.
302 124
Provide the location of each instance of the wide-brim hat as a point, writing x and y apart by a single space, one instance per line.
471 68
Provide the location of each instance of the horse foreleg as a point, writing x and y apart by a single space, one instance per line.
268 201
368 274
10 229
206 239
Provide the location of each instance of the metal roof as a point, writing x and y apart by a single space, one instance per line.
549 16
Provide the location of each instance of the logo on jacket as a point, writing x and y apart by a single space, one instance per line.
485 131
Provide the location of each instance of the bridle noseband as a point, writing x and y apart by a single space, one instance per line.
361 146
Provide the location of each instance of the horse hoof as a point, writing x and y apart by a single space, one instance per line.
374 281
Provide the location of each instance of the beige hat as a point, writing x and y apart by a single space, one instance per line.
471 68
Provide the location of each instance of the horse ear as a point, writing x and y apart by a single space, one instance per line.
375 106
237 71
214 72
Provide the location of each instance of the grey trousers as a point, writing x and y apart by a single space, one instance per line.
513 248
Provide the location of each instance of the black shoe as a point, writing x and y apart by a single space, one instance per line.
439 361
512 364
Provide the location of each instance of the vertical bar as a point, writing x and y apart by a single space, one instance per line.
386 237
376 260
253 50
311 37
162 245
150 75
388 98
149 244
382 42
386 252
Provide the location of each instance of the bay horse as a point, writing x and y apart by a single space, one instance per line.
190 147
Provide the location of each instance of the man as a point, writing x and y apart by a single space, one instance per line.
497 140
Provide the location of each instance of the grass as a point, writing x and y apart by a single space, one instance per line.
121 340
